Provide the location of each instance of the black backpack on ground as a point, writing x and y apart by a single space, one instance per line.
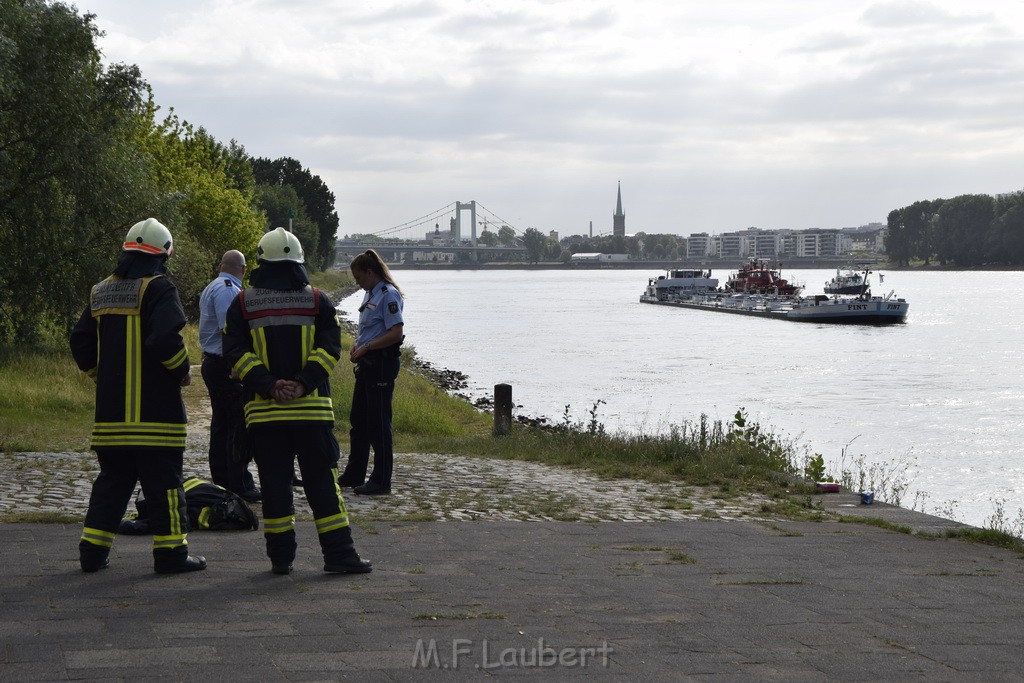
210 507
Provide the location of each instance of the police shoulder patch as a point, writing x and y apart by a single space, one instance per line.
393 307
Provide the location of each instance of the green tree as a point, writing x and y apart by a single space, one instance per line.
911 231
552 250
71 180
961 226
488 239
199 197
897 241
507 236
316 197
534 242
1006 242
283 207
231 159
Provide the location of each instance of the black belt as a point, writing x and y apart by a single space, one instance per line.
393 351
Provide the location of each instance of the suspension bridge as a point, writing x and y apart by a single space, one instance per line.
443 235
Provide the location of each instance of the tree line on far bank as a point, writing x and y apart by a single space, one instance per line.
968 231
85 154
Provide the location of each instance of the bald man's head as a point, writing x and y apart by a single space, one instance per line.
233 262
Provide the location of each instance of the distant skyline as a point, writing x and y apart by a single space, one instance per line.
715 117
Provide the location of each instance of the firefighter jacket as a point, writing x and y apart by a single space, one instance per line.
129 341
273 334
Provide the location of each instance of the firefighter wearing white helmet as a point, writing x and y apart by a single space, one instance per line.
280 245
128 339
283 339
150 237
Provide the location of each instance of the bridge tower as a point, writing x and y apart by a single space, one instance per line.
459 208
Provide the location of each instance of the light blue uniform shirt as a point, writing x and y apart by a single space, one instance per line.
381 310
213 309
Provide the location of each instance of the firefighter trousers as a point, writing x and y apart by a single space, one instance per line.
159 472
276 447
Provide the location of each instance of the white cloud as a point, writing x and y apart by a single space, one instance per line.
537 108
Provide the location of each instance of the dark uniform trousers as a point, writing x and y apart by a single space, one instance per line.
159 471
229 454
370 419
276 447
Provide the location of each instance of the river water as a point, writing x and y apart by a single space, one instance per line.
938 399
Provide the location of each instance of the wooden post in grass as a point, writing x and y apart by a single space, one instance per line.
502 409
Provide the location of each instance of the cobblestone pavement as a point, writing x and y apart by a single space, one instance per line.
427 487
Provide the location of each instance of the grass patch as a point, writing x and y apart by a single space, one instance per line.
679 557
737 457
46 404
782 531
763 582
875 521
458 616
1000 539
667 503
40 517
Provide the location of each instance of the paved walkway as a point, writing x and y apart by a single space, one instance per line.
615 579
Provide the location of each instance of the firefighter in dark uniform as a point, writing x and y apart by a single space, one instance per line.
128 340
283 339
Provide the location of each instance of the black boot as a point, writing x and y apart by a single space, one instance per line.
93 559
190 563
340 556
349 564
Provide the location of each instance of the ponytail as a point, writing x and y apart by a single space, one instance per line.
371 260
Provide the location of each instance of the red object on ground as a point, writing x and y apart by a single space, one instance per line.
827 487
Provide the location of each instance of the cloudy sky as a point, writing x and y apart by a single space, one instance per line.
715 116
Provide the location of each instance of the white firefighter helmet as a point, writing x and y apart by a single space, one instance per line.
280 245
150 237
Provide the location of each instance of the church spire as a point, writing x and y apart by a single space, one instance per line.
619 219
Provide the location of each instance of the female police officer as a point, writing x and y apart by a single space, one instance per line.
376 354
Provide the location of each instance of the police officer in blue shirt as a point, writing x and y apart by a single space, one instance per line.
376 353
229 457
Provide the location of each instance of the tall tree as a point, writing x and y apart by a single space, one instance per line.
315 195
897 241
71 180
961 226
200 198
284 208
488 239
1006 243
507 236
534 242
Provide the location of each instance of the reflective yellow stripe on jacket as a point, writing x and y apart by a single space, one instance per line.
162 434
309 408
